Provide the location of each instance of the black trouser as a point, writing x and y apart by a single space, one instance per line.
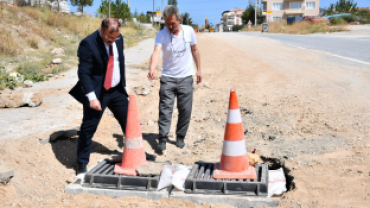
182 89
116 100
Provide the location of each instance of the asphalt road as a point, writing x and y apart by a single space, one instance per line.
351 47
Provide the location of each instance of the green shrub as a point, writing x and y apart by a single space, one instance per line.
350 19
237 27
337 21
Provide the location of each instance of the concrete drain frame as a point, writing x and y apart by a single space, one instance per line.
200 187
103 176
201 181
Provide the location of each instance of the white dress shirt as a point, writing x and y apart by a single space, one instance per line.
116 69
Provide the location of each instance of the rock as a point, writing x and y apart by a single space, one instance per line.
60 6
57 52
28 83
70 179
142 90
20 99
6 91
150 122
57 61
67 66
254 159
50 75
77 14
264 136
71 133
15 77
206 85
150 169
272 137
5 176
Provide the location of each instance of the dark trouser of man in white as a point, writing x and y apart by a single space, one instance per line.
182 89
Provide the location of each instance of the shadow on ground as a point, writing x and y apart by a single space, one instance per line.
65 150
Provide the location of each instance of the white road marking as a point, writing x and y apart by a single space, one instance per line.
350 59
334 55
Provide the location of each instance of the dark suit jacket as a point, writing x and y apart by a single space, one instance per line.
92 67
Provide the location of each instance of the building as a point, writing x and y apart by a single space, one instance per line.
156 16
281 9
219 27
231 18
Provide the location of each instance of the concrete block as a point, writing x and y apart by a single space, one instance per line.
5 176
70 133
76 188
236 201
55 135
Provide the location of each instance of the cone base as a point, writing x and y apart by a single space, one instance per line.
119 170
250 173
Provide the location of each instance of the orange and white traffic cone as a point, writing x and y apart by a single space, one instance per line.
234 160
133 153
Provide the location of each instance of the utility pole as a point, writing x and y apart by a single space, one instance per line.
109 9
153 13
128 3
255 13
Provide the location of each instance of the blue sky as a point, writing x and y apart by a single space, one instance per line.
198 9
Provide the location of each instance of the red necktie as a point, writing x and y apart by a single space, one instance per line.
109 74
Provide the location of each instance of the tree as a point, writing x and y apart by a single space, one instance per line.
172 2
248 14
186 20
142 17
136 14
342 6
119 9
81 4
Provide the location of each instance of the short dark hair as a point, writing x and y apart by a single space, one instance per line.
113 22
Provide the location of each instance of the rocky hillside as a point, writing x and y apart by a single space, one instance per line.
30 34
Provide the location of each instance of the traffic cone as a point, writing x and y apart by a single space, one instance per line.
234 160
133 152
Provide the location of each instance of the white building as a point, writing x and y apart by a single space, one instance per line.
231 18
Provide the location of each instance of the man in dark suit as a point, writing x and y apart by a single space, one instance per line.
102 82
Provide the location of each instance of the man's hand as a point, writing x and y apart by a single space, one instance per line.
199 77
151 75
153 62
95 104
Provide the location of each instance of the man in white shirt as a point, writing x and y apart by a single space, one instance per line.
178 44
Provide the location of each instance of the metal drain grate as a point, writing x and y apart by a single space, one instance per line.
103 176
201 181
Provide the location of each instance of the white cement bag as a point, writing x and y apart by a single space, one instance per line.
165 180
179 176
277 182
173 175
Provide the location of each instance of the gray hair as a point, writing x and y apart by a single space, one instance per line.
171 10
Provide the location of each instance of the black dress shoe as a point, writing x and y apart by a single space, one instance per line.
180 142
150 156
81 168
162 143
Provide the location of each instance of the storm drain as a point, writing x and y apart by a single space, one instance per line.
102 176
201 181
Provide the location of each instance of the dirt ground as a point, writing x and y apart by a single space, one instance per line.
316 108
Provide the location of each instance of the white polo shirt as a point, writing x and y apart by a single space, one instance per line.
177 56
